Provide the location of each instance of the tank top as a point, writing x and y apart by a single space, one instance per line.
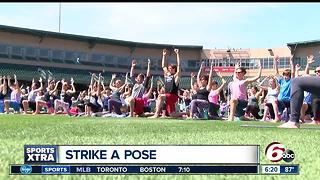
239 90
170 85
213 97
203 94
15 96
66 97
32 96
253 101
116 95
271 95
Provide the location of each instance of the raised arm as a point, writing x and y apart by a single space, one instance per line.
148 69
218 90
250 80
4 90
191 81
210 76
164 63
258 94
151 87
260 85
15 79
276 60
41 85
133 65
55 88
99 88
199 72
113 77
310 60
9 82
73 90
178 73
236 66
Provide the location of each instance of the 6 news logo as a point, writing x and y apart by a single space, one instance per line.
276 152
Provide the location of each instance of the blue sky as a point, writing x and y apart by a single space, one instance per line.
212 25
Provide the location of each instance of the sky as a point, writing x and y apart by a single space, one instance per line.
211 25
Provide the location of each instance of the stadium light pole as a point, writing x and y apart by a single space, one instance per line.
59 16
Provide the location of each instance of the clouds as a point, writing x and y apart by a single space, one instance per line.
208 24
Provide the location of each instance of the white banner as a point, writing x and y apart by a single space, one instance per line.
234 154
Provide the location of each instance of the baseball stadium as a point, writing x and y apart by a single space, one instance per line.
93 101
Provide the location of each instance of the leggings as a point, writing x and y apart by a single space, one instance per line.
117 104
316 109
298 85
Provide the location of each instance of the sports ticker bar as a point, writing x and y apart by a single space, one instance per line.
132 169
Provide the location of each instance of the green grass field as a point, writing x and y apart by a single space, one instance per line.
18 130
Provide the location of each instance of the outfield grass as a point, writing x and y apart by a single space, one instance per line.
18 130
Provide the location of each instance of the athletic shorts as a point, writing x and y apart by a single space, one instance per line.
171 100
138 105
15 105
32 105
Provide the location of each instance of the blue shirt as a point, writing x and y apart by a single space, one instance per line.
285 87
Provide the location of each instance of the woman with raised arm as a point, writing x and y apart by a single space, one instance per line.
49 97
201 102
283 100
15 97
238 87
253 107
117 88
147 98
136 102
95 104
213 98
273 90
65 101
31 101
172 74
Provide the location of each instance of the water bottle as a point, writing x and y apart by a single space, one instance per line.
285 114
205 114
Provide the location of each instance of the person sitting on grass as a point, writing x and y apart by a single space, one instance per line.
31 101
185 101
115 103
273 90
172 74
15 97
49 97
95 104
147 99
3 91
201 102
136 102
239 101
214 105
283 100
253 103
65 101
